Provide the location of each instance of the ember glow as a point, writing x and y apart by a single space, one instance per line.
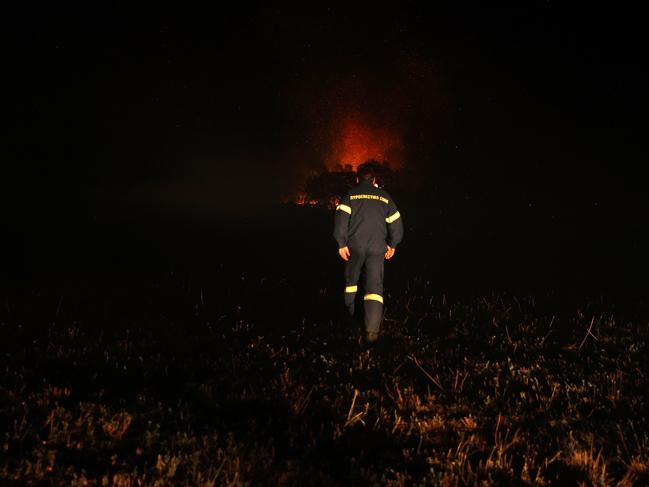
356 140
351 138
303 199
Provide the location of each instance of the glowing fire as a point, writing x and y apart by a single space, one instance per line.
356 140
302 199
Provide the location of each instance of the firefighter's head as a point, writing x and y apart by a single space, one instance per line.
365 172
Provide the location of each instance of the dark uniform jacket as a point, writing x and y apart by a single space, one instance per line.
367 217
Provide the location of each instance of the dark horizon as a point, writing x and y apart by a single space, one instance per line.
532 117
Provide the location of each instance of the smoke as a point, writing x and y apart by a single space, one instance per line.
356 138
329 117
384 109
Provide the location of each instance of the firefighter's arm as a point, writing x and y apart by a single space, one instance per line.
395 227
341 222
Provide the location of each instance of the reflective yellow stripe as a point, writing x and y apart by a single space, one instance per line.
374 297
394 217
351 289
344 208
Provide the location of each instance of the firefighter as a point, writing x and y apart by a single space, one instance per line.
368 227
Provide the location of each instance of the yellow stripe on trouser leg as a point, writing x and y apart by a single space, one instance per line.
374 297
373 305
350 297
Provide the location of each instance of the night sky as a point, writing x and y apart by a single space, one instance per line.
224 113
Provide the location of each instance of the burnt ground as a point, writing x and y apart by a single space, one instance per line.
158 356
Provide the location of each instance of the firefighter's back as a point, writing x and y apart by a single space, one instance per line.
367 218
367 226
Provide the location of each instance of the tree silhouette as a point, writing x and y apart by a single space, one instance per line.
327 189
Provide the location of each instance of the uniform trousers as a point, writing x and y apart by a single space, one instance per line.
371 261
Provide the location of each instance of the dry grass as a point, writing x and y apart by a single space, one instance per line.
497 390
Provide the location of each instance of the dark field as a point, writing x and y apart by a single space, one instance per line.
162 358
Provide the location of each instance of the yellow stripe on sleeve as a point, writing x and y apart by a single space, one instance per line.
374 297
344 208
393 218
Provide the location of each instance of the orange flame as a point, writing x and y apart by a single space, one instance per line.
302 199
356 140
352 140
